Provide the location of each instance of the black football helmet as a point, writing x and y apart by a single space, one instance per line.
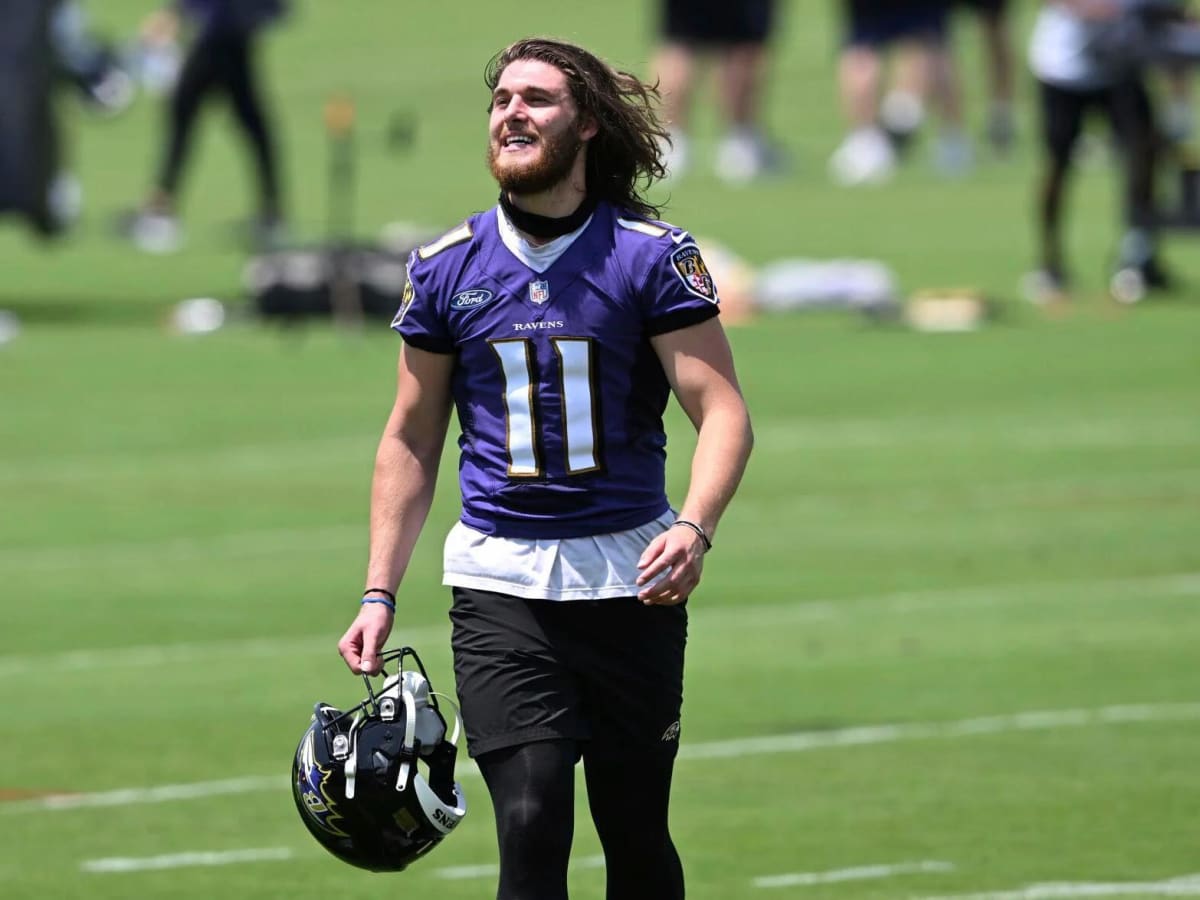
375 784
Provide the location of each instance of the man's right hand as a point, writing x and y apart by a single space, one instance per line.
362 643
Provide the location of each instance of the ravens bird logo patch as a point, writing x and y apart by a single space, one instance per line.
406 300
694 274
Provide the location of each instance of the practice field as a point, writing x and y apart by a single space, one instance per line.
946 644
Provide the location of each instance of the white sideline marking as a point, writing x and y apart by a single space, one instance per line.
1008 431
181 860
777 438
1148 485
184 549
236 459
1036 720
163 793
798 742
857 873
155 656
900 602
1183 886
461 873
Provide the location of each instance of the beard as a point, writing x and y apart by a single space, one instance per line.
552 165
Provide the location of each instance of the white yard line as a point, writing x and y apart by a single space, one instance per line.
782 437
779 438
1149 485
1184 584
184 549
856 873
184 860
798 742
157 655
1183 886
1038 720
249 459
163 793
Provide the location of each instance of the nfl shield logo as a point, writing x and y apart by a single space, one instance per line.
539 291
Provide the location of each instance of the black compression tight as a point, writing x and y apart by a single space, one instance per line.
628 800
533 793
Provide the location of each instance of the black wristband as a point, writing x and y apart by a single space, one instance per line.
384 591
688 523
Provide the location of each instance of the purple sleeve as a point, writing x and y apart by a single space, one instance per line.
419 320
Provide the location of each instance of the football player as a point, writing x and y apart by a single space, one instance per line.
736 36
911 37
221 57
993 17
558 324
1075 57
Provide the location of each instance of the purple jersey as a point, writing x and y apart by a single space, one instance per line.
559 393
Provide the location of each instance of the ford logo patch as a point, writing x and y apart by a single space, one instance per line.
470 299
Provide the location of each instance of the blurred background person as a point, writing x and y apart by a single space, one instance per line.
1178 118
993 17
221 57
737 36
43 46
29 132
1075 56
912 38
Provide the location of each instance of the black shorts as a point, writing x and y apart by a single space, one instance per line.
872 23
992 7
605 673
1125 105
717 22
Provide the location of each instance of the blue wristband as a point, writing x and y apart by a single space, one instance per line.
384 600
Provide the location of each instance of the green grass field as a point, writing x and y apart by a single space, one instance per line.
946 645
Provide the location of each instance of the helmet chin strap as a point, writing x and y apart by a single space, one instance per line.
350 768
410 730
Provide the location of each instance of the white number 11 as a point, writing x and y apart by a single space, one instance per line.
577 397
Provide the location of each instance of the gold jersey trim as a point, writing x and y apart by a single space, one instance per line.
449 239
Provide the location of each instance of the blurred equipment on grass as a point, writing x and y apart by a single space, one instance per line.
10 327
375 784
344 278
860 285
794 284
947 311
198 315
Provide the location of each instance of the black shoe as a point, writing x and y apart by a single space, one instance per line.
1157 278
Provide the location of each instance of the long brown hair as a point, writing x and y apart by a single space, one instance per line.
625 156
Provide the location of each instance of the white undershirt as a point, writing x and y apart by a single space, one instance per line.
582 568
539 257
1061 53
